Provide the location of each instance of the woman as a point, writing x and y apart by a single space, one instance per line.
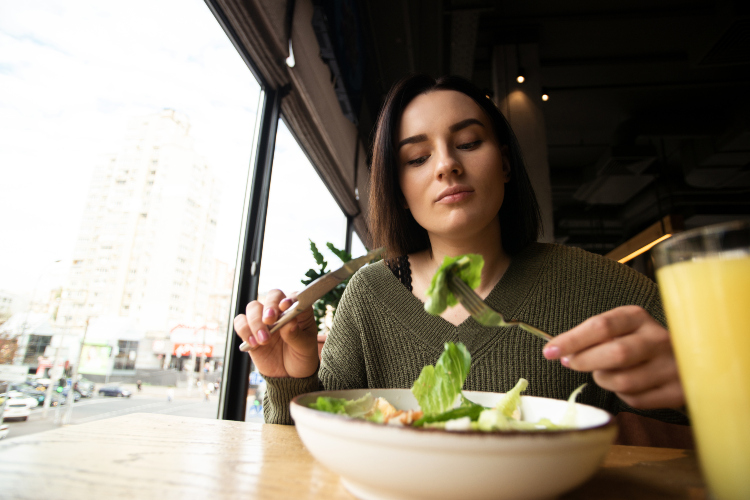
447 179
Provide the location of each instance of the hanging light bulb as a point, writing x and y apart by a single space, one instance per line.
545 95
520 78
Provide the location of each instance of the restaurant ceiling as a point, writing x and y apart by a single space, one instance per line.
648 109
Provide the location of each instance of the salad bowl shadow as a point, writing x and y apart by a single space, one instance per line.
389 462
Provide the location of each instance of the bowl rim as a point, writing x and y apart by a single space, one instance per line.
294 403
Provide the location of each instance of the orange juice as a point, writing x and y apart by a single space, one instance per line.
707 303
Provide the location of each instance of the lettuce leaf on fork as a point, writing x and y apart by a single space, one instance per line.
439 296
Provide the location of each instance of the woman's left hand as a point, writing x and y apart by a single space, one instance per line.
628 353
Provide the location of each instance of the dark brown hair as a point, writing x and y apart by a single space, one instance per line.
392 225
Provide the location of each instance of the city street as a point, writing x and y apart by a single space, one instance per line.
150 400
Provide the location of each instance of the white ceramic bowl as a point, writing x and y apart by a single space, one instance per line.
391 462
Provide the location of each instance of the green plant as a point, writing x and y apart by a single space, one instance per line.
332 298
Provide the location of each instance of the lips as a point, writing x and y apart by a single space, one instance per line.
454 193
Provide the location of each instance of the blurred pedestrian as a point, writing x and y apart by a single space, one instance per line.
170 395
138 385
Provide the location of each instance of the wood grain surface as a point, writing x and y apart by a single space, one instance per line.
150 456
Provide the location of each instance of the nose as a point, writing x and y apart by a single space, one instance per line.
447 163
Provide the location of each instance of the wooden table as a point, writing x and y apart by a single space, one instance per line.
150 456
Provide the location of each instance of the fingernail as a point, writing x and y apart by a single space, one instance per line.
565 361
268 313
250 343
551 352
262 336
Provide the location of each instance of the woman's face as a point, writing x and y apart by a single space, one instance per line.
452 171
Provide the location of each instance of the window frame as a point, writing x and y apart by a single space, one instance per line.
237 365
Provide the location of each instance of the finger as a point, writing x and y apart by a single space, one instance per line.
288 302
621 352
272 309
653 373
669 395
301 331
595 330
243 331
258 329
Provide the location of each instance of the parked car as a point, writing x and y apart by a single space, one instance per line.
114 390
30 401
16 408
33 393
85 393
39 396
3 431
85 385
56 399
76 394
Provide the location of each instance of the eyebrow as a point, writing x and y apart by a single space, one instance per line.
453 128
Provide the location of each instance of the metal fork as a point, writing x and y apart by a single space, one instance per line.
484 314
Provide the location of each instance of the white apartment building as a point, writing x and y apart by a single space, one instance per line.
11 303
145 245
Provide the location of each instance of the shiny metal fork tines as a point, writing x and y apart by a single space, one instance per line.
484 314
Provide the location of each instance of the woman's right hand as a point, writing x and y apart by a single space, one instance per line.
291 351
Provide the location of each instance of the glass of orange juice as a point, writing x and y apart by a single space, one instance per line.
704 279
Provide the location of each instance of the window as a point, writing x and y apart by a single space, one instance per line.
168 118
35 348
126 355
298 199
300 210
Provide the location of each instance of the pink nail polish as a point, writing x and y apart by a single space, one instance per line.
551 352
268 313
262 336
253 343
565 361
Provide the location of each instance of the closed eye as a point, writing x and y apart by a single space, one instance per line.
417 161
469 145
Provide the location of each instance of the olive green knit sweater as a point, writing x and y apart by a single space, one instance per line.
382 337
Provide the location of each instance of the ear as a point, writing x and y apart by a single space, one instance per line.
506 162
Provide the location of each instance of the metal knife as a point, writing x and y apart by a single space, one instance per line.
318 288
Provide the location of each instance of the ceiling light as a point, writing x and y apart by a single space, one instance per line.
545 96
520 78
290 60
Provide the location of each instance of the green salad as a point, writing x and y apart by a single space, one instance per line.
443 405
438 389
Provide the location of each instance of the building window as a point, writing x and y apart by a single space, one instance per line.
35 348
126 355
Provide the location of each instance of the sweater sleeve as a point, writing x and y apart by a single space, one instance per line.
280 392
342 365
342 359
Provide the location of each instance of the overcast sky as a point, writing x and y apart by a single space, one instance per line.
73 73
